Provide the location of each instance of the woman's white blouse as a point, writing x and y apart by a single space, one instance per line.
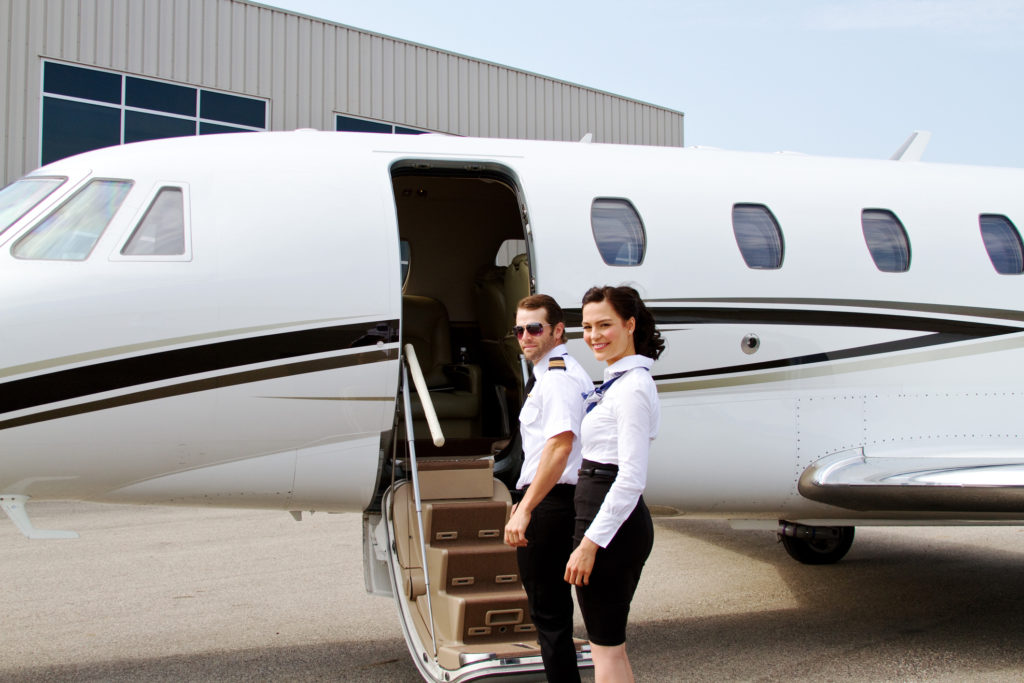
619 431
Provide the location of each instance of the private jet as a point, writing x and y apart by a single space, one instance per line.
313 321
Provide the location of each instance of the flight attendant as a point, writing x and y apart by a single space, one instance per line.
614 533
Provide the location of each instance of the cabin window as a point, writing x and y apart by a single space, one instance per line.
758 236
70 232
1002 242
618 232
161 232
403 254
22 196
887 240
508 250
87 108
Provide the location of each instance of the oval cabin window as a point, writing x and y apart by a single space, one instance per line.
887 240
758 236
618 232
1002 242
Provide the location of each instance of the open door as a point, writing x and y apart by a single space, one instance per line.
440 533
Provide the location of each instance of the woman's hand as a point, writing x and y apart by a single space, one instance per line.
581 563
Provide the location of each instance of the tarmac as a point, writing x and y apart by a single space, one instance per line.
169 594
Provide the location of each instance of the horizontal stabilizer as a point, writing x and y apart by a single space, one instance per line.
913 148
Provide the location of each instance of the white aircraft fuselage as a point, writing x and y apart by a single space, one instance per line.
222 321
260 367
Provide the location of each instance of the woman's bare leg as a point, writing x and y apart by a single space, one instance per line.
611 664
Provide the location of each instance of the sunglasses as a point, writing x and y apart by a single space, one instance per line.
533 328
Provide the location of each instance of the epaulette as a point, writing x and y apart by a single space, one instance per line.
556 364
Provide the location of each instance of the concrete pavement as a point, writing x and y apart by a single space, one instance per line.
162 594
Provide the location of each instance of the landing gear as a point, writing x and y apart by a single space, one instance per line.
816 544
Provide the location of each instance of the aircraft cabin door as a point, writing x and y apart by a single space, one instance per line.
438 540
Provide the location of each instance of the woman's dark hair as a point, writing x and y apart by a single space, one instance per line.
627 303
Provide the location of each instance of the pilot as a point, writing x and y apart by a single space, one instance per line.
541 524
614 533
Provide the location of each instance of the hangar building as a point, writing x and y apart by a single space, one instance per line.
84 74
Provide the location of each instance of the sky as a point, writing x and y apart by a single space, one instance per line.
849 78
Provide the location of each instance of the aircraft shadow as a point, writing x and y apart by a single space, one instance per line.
895 609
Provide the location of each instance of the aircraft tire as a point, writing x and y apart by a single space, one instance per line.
825 551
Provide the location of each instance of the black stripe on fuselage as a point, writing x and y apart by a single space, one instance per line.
825 356
114 375
699 315
943 331
219 382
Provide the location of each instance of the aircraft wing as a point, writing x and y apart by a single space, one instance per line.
942 481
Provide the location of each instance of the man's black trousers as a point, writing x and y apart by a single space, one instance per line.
542 568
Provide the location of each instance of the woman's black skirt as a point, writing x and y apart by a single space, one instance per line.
605 601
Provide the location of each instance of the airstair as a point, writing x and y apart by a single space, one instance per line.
457 585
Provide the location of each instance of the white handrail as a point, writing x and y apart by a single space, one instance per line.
411 444
424 394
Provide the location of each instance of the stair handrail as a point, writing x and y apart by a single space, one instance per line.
411 363
424 393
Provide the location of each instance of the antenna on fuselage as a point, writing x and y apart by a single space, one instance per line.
913 148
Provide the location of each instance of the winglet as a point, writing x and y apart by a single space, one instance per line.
913 148
14 506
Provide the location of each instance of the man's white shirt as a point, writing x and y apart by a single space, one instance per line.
554 405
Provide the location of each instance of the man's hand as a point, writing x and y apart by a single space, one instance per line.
515 530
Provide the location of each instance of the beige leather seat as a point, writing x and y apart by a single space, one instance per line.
497 290
517 287
454 389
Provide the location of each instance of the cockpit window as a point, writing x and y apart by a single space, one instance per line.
886 239
1002 242
21 196
161 232
70 232
618 232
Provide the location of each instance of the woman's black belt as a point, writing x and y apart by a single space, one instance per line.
598 470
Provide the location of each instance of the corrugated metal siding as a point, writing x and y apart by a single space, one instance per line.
308 69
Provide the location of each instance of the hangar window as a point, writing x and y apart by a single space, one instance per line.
87 108
1002 242
886 239
354 124
161 232
618 232
758 236
22 196
239 111
70 232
